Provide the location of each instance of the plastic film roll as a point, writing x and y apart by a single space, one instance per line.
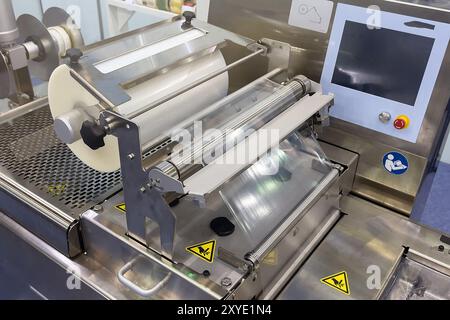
66 95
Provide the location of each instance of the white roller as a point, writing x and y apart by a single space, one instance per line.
61 38
66 94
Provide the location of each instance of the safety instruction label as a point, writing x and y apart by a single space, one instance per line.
271 259
338 281
313 15
395 163
122 208
204 251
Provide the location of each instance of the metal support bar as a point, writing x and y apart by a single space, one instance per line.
257 256
143 201
303 255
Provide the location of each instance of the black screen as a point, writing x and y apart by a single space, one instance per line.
383 62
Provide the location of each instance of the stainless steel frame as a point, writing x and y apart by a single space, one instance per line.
269 19
333 229
367 238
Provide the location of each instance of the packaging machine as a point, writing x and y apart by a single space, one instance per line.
275 152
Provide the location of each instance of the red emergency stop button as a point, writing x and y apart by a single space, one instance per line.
401 122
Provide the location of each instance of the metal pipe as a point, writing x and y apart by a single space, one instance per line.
195 84
20 111
268 244
269 107
32 50
8 27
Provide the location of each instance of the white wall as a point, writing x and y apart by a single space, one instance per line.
138 20
94 24
203 9
89 16
32 7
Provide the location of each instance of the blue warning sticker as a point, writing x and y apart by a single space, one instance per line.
395 163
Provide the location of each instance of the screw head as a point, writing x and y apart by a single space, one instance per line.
98 208
441 248
131 156
226 282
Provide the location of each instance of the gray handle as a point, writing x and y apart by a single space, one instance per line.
146 293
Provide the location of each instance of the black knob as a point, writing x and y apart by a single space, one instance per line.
188 16
222 226
93 135
74 54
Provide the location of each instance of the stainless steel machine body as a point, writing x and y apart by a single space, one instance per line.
372 182
145 231
207 191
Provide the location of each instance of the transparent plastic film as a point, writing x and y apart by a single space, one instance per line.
262 197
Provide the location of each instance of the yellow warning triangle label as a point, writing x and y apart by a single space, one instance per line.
204 251
338 281
271 259
122 208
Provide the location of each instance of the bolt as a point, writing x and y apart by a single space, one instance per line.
131 156
98 208
189 16
143 189
74 54
226 282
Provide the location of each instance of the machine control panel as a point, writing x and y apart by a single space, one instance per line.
382 68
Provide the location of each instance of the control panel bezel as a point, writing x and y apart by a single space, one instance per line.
364 109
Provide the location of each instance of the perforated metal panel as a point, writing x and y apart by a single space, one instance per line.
31 154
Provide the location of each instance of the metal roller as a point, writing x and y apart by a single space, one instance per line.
57 17
265 110
53 38
32 30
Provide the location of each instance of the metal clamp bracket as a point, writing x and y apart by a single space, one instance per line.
143 201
